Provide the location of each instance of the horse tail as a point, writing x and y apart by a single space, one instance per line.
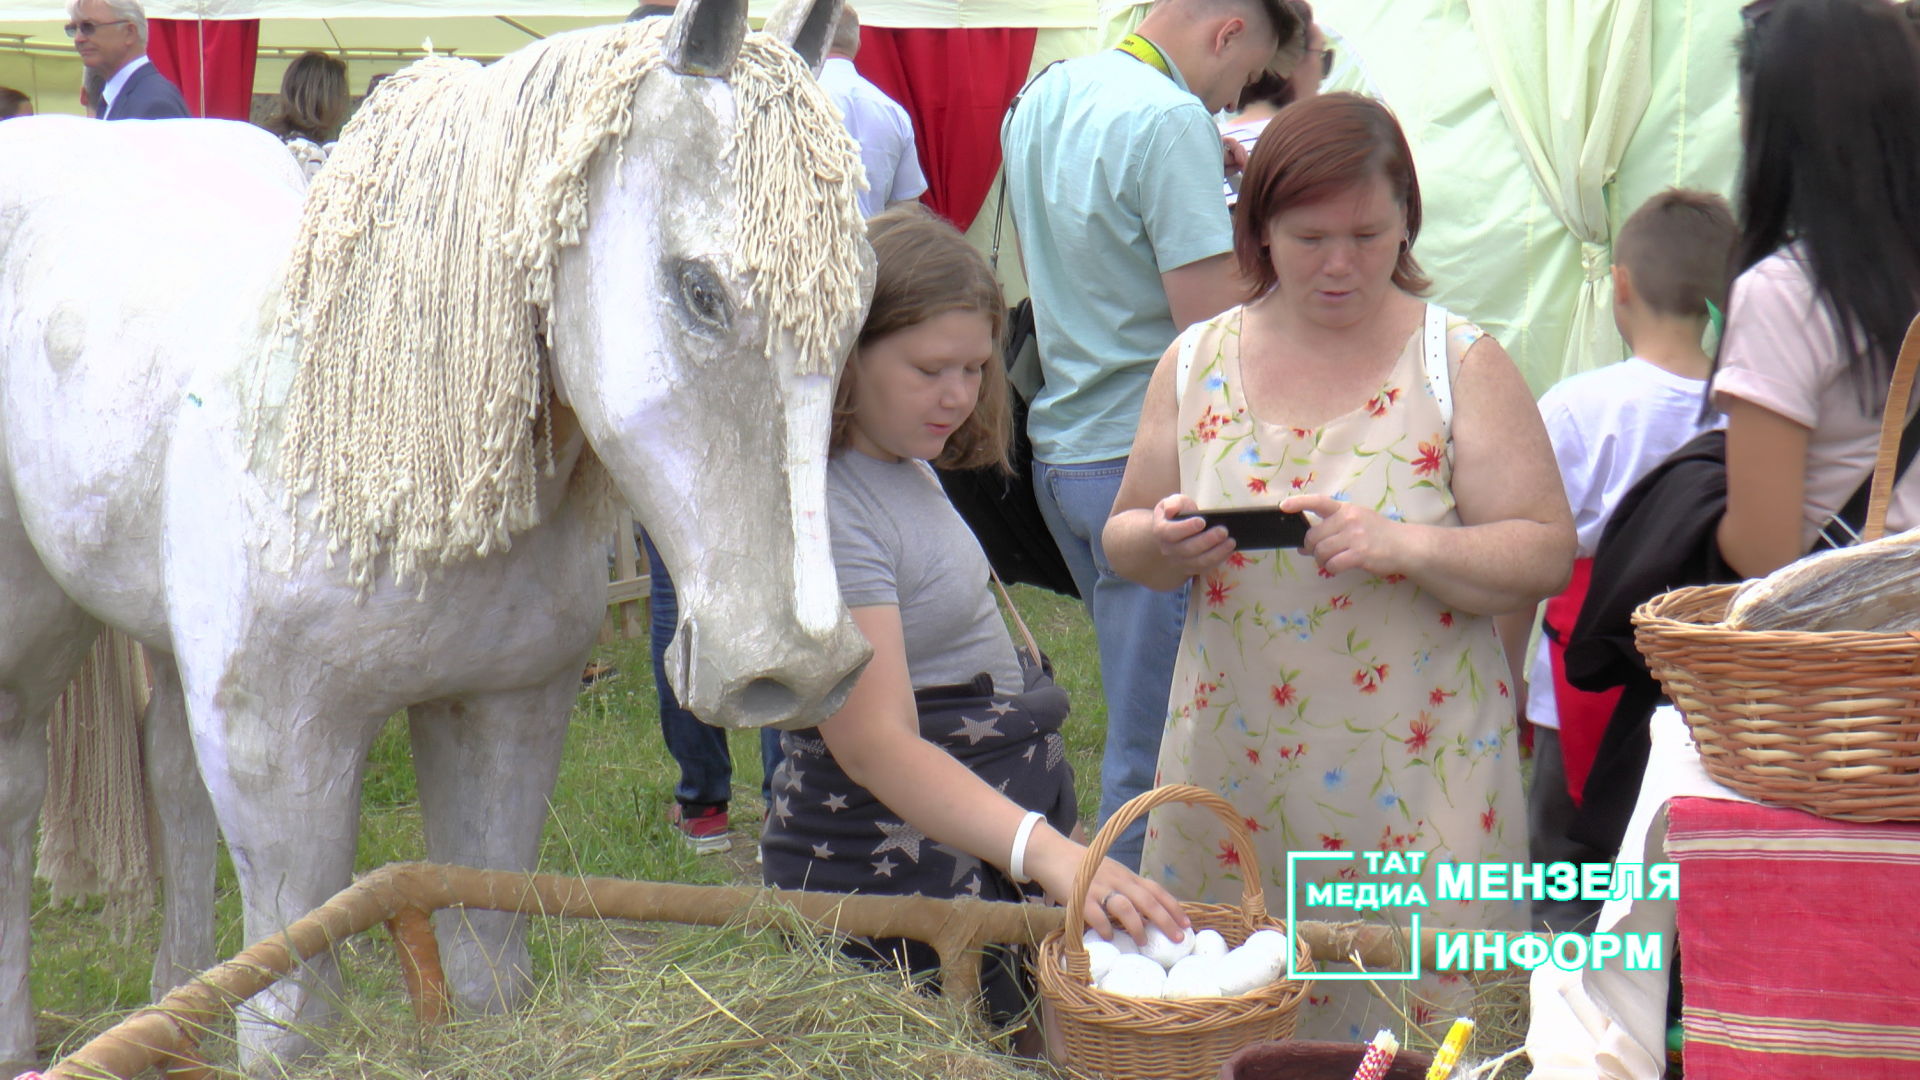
93 825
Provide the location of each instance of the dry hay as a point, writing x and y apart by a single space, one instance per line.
766 1004
420 280
690 1003
746 1004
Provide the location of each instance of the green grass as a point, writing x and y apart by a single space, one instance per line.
608 818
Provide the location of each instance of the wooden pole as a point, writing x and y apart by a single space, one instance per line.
626 568
401 896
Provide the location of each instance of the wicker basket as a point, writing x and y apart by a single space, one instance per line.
1127 1038
1826 722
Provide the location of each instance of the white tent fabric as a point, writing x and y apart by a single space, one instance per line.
1495 241
385 35
895 13
1573 82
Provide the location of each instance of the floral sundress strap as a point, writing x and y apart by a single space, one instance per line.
1439 378
1446 337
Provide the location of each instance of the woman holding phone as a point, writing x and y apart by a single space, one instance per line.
1349 693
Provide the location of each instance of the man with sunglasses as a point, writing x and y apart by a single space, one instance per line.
111 38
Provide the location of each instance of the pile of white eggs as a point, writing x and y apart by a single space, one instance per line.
1198 965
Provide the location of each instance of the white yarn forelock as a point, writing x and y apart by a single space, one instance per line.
424 270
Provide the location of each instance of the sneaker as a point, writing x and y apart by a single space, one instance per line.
704 827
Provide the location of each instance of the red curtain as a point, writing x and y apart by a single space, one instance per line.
221 50
955 85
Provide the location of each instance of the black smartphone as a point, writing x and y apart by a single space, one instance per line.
1257 527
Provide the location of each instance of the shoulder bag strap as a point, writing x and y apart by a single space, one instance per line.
1026 635
1000 204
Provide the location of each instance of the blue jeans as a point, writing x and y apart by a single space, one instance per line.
1138 630
706 764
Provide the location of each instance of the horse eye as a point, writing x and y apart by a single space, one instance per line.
703 297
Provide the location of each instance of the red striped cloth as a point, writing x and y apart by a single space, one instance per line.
1800 943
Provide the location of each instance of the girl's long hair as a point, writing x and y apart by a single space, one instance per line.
1831 162
924 268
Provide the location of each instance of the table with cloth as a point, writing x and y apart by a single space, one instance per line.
1802 953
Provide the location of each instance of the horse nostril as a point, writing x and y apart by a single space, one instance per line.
838 695
770 699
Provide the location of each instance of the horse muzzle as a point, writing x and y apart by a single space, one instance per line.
765 675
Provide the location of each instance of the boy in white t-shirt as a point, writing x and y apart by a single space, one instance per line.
1609 428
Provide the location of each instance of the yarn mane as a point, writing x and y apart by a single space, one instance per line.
420 281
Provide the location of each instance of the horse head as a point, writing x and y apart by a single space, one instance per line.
697 329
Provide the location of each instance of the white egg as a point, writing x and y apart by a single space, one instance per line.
1253 965
1238 973
1100 959
1165 951
1209 943
1121 941
1271 942
1194 977
1135 976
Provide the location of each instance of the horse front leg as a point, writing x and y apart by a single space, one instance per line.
23 784
283 769
486 765
181 828
43 640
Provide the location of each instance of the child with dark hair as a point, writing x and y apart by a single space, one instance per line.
1609 428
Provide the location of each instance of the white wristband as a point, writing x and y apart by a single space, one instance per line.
1017 865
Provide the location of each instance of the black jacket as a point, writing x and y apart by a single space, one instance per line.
1662 536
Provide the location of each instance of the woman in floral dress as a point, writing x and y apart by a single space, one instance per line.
1348 696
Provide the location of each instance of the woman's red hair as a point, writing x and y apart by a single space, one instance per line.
1312 150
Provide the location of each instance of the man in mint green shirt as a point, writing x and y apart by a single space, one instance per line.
1113 170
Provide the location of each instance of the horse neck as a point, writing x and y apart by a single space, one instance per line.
569 442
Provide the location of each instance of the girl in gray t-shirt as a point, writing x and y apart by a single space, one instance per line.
944 774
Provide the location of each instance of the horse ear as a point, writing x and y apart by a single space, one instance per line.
705 35
807 26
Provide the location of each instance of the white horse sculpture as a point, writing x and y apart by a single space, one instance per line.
193 421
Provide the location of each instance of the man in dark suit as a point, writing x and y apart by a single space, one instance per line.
111 38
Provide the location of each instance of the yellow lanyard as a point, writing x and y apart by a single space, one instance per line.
1146 52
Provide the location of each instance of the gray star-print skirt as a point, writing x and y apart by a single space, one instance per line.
827 834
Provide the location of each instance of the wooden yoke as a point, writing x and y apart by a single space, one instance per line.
402 896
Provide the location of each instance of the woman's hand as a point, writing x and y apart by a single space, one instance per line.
1186 543
1116 898
1349 537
